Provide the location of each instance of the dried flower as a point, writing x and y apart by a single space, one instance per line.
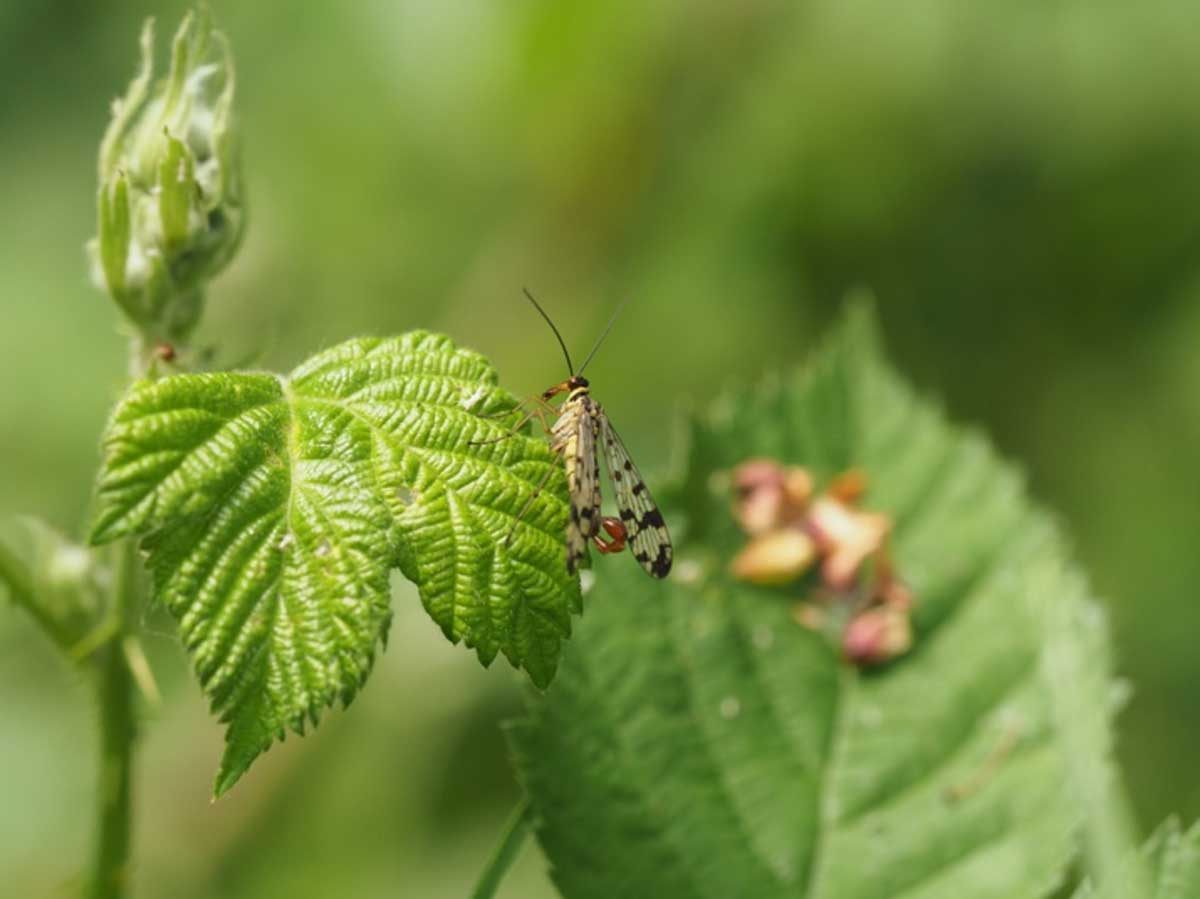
877 635
846 538
776 558
769 495
858 600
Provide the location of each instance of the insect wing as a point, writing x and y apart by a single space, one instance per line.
577 429
647 532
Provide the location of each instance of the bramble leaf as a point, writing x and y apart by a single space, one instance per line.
273 508
699 742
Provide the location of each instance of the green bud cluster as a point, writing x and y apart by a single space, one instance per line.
170 203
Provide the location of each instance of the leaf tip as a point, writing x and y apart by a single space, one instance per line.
235 762
542 675
859 326
101 532
228 775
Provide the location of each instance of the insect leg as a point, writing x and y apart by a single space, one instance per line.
536 400
536 412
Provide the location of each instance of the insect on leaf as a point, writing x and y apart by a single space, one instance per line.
699 742
581 427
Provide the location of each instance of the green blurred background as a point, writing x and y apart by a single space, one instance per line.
1018 183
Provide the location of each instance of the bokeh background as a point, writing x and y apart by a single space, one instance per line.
1018 183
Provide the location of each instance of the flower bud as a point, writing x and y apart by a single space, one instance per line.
774 559
877 635
170 203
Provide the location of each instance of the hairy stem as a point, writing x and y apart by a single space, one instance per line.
118 730
505 853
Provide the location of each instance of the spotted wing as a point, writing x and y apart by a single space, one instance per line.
577 431
644 525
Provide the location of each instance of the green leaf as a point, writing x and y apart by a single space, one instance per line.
273 509
1172 860
698 742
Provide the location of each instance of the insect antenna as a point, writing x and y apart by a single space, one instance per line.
599 340
536 306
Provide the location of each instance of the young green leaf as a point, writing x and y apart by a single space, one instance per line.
698 742
1173 860
273 509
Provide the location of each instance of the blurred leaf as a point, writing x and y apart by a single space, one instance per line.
58 582
273 509
1174 862
699 742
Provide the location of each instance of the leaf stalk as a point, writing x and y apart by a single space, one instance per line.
512 839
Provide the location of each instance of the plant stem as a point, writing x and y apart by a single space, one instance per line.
118 730
115 693
511 841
